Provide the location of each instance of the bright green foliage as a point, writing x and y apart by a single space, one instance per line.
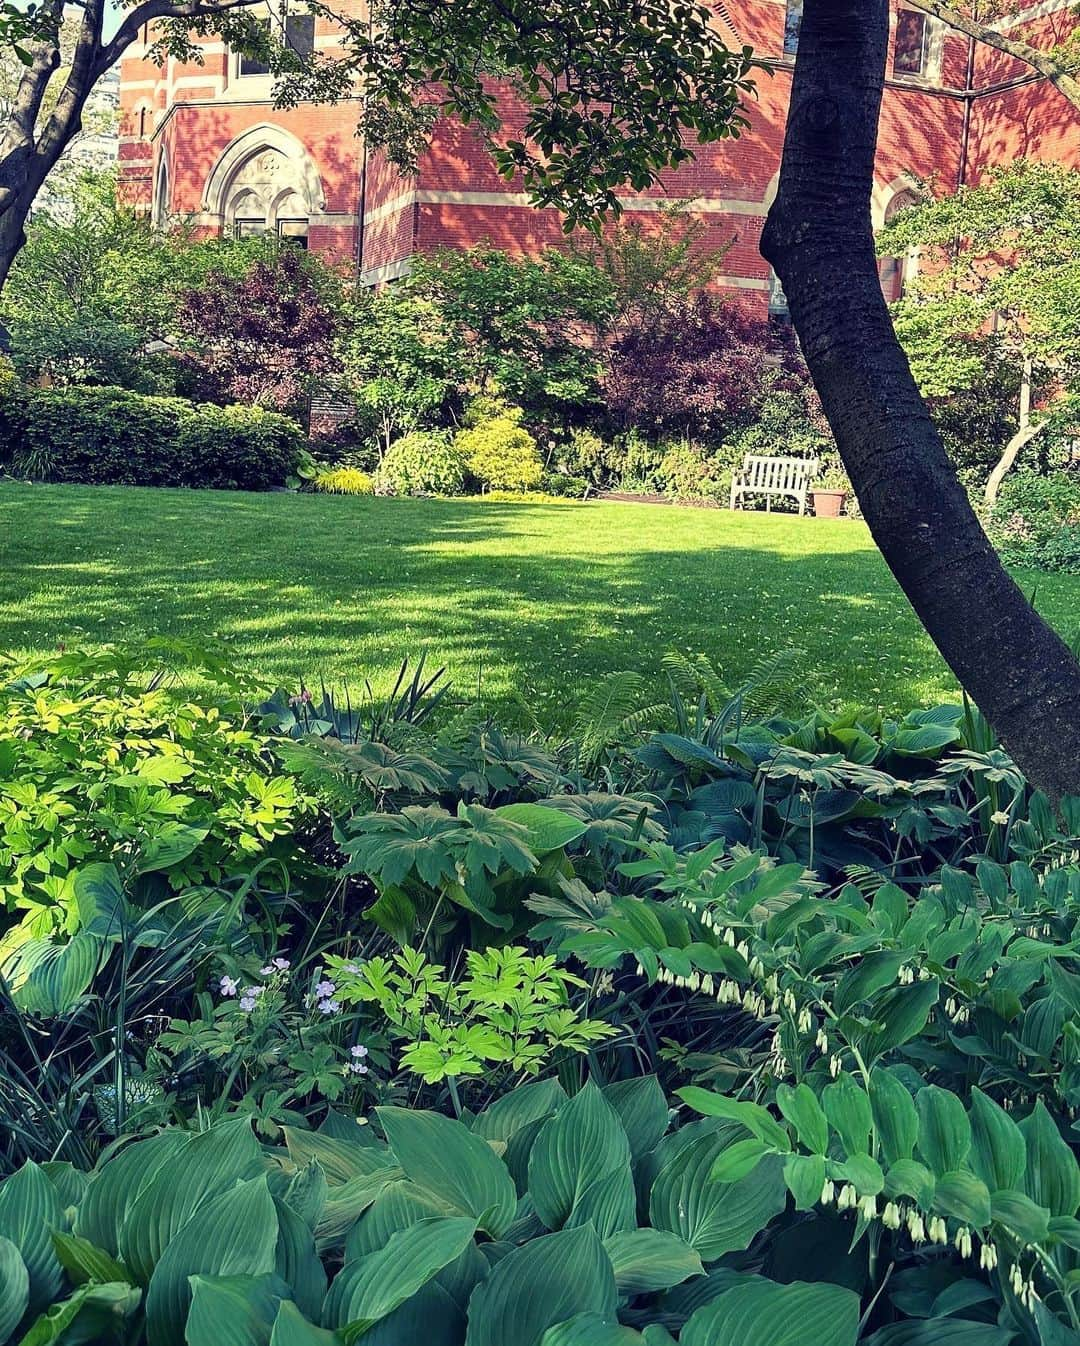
107 436
1035 521
508 1008
99 769
344 481
501 455
965 311
425 462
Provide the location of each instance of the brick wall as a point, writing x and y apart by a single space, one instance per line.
191 118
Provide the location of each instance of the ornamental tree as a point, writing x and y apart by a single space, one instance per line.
264 337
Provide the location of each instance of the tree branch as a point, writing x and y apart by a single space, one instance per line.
1040 61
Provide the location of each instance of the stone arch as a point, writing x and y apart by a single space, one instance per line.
262 168
161 209
897 273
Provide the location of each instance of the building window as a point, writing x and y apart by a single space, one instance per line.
911 48
295 31
294 232
254 65
300 33
248 228
792 24
778 304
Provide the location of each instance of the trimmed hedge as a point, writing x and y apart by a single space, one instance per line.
112 437
426 462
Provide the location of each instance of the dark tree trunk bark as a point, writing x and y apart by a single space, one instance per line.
819 239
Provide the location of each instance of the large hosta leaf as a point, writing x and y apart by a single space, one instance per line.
341 1160
762 1313
374 1286
643 1111
240 1310
546 1282
449 1161
519 1108
645 1260
583 1146
92 1314
14 1288
942 1332
116 1185
207 1165
589 1329
232 1234
291 1328
297 1262
429 1318
715 1218
29 1211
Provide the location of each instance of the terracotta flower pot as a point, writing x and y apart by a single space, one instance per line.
828 504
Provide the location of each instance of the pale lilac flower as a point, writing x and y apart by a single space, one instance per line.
325 990
281 964
247 1003
357 1068
251 992
359 1050
266 971
354 968
329 1007
228 986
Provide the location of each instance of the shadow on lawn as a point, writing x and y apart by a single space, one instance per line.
542 599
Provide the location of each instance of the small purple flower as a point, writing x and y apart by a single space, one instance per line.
266 971
354 968
281 964
325 990
252 992
228 986
357 1068
329 1007
247 1003
359 1050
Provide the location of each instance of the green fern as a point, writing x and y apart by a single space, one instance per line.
775 684
613 714
694 676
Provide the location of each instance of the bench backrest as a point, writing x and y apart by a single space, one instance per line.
778 474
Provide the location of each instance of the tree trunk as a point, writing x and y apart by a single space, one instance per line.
1025 433
819 239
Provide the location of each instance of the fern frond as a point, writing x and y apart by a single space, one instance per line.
604 712
695 675
775 684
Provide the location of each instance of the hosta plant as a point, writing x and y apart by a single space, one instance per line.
542 1221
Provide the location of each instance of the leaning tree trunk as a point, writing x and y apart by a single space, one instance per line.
819 239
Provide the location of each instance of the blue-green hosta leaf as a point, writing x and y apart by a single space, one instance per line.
715 1218
609 1204
14 1288
459 1168
547 829
582 1145
115 1186
99 898
645 1260
207 1165
240 1310
232 1234
29 1211
942 1332
1052 1177
519 1108
643 1111
291 1328
589 1329
928 740
429 1318
545 1282
91 1313
70 1182
374 1286
307 1192
339 1159
761 1313
297 1262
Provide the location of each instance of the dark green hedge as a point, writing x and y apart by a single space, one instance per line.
108 436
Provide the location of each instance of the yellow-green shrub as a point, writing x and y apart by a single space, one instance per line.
344 481
501 455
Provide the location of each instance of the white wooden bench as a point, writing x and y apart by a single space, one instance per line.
787 477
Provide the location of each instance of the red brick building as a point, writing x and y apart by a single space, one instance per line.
205 142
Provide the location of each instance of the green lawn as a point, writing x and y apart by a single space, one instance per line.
539 598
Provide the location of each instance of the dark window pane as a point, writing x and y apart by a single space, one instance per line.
300 33
249 228
909 52
295 231
254 65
